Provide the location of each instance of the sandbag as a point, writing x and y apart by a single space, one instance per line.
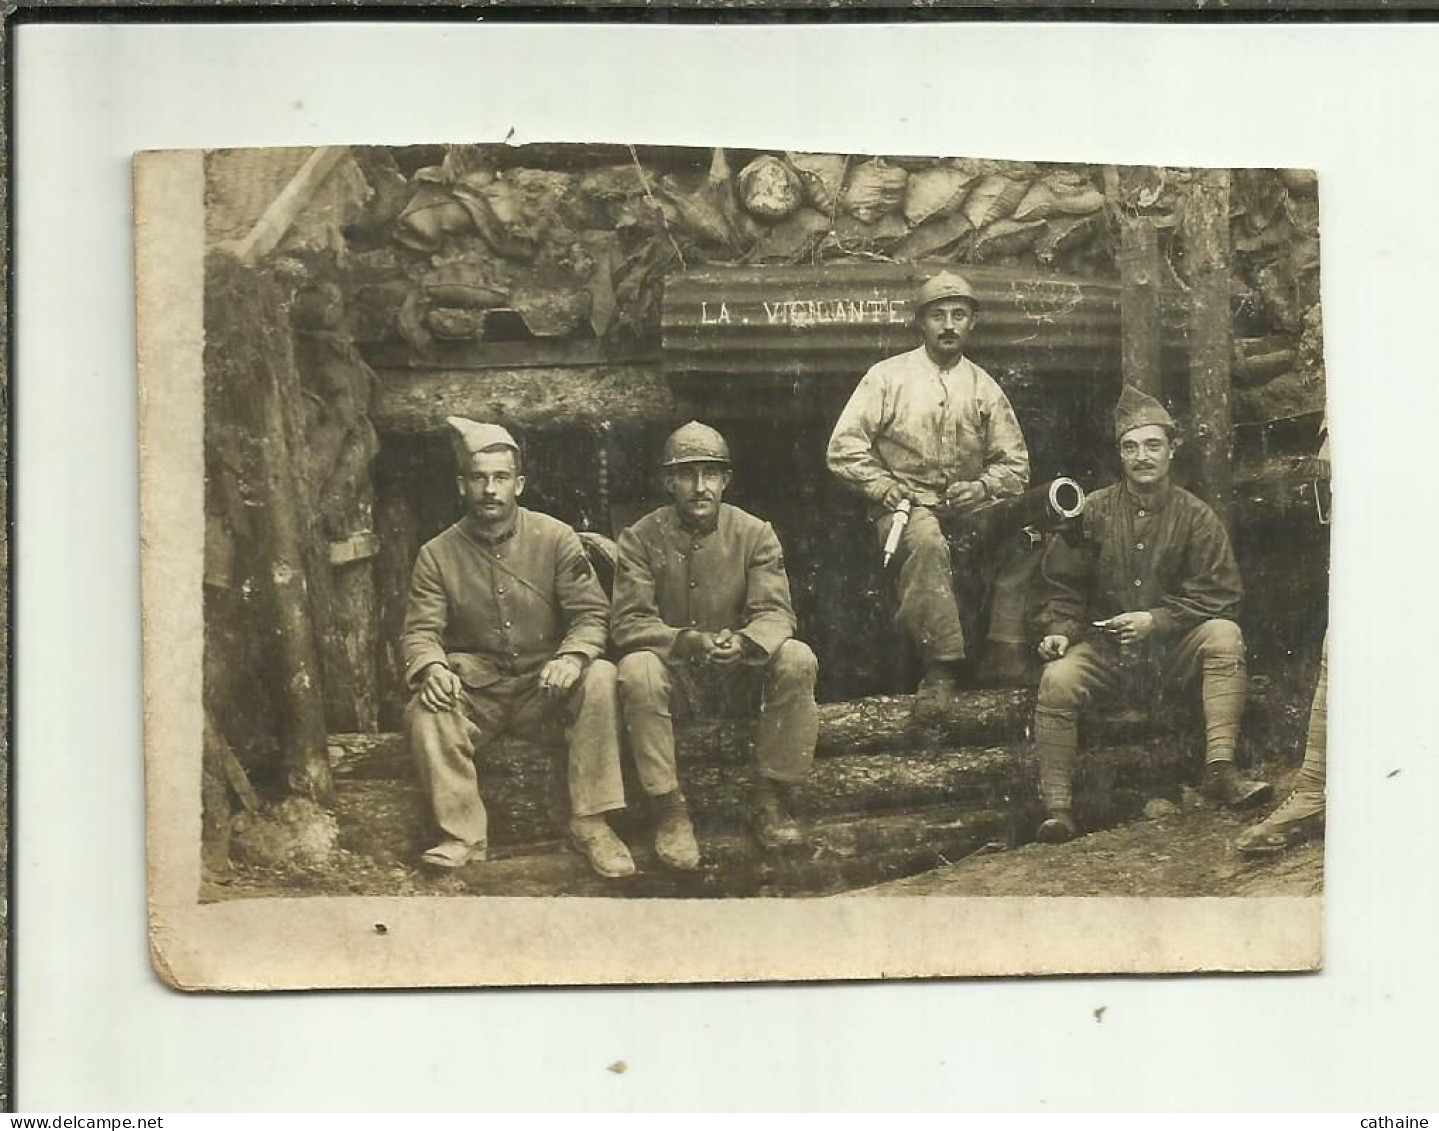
770 188
915 164
431 215
457 325
937 191
794 238
1055 194
1066 234
1005 237
937 236
821 175
994 198
874 190
462 285
853 235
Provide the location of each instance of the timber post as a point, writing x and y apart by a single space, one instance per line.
1206 236
1139 274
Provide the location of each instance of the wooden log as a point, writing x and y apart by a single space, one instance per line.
356 616
1141 348
1256 369
277 218
541 398
879 725
378 824
399 546
248 344
1206 241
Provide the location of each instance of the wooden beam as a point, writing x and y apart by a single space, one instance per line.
1206 245
541 398
1139 276
270 229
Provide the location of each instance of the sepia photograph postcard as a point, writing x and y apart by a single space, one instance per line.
586 562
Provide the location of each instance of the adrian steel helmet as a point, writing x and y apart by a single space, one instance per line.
694 443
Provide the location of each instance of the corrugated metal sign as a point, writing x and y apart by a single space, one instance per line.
836 320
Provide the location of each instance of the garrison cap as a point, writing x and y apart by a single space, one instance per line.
1135 409
694 443
470 437
946 284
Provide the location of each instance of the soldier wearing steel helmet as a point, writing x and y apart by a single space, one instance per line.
931 428
505 630
702 613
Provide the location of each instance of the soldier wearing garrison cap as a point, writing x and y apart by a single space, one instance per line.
702 615
932 428
1146 602
505 630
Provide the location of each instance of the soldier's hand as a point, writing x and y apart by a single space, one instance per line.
893 497
728 648
1131 628
1053 647
440 690
693 646
965 496
561 674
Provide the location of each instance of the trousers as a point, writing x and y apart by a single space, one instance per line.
651 691
928 611
1313 772
444 744
1212 652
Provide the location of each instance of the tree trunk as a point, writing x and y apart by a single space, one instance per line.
1206 235
1139 280
247 335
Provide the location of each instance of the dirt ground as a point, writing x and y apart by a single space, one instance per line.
1189 852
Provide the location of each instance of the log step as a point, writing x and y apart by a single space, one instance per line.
842 853
529 809
874 725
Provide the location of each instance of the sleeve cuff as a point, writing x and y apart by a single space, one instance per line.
767 641
1163 621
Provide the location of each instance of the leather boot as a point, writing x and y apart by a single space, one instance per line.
1299 817
936 690
770 817
1057 828
606 853
1223 785
675 842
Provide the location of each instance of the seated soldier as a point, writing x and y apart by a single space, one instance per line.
504 630
930 428
702 610
1153 592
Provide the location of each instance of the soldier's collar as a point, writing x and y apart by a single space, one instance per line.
486 540
1153 500
696 529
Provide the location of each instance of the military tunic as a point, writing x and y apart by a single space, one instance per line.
1169 556
669 579
495 612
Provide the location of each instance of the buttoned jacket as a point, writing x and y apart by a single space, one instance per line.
1168 556
501 608
910 423
668 579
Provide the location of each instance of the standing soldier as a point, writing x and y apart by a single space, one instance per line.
505 629
1153 591
931 428
702 611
